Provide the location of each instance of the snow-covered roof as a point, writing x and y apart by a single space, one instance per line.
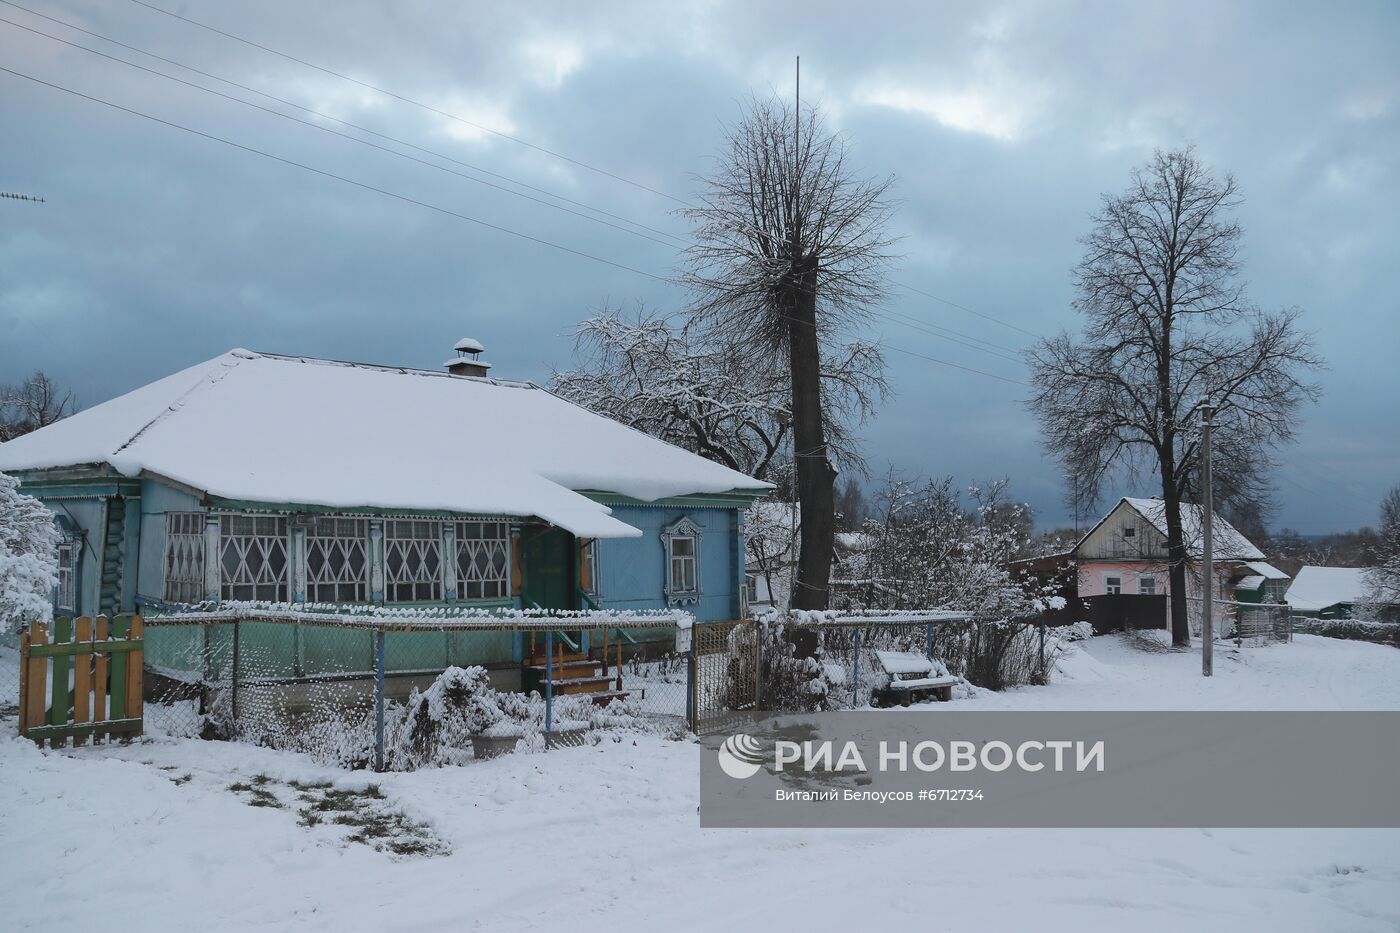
854 540
278 429
1251 582
1266 570
1226 542
1316 588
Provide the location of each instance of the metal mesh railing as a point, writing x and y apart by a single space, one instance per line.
800 662
9 675
339 689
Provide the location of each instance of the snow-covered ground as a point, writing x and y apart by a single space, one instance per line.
150 836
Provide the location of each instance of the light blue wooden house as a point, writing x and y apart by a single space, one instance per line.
257 477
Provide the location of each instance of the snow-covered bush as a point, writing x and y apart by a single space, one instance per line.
1384 633
28 558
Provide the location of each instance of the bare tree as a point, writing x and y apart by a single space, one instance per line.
698 388
1384 578
791 249
1167 328
33 404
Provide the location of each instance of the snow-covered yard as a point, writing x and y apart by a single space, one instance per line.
150 836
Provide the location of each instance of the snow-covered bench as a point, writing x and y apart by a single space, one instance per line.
911 674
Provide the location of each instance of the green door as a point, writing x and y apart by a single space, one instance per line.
548 571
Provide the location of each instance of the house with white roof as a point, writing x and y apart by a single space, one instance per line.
283 479
1328 592
1125 554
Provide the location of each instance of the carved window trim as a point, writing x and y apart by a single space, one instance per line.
687 589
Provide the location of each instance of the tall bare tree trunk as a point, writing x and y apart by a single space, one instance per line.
1176 555
816 478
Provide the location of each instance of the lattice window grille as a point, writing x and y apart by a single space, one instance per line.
483 560
337 560
253 557
412 561
184 557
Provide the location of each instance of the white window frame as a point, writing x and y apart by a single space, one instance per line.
423 542
1113 585
184 530
591 557
1147 584
65 595
270 537
336 540
488 539
678 593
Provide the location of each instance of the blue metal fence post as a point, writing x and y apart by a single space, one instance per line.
855 673
548 685
379 699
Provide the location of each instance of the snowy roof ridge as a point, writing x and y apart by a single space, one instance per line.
403 370
179 402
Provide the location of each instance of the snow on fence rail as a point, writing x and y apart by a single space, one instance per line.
432 618
323 678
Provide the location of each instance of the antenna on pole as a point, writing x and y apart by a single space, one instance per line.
20 197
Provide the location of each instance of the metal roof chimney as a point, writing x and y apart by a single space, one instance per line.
468 361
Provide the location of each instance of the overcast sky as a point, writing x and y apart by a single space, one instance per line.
1002 123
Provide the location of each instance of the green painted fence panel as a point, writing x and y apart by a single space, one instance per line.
120 627
330 649
61 696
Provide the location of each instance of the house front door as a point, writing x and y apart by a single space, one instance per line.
548 569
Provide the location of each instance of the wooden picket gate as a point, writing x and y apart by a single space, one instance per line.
85 682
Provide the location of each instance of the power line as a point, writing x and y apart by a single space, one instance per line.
326 116
980 372
349 181
326 129
408 100
523 142
954 304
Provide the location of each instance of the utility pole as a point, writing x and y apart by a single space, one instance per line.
1207 567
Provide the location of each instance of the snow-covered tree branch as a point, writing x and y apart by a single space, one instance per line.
28 557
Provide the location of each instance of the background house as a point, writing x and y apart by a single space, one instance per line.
268 478
1334 593
1125 555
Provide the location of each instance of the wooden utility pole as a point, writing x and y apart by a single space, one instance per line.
1207 565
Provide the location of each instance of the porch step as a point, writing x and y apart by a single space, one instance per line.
564 670
568 657
594 684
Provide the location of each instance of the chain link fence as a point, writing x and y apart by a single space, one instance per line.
810 661
9 674
363 692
